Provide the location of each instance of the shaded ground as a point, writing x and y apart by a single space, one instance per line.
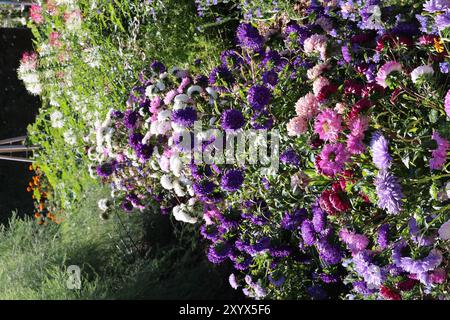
17 110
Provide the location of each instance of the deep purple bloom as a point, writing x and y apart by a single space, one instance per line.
270 78
144 151
221 75
292 221
328 252
231 59
294 32
308 233
389 192
116 114
259 97
158 66
135 140
290 157
248 37
127 206
131 118
106 169
184 117
232 180
204 188
316 292
232 119
319 217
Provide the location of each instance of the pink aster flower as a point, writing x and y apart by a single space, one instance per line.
385 70
439 155
332 159
317 71
55 39
317 43
307 106
36 14
355 144
297 126
340 107
447 103
170 96
328 125
359 126
355 242
319 84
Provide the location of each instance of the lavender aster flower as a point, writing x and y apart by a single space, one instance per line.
233 281
248 37
232 180
383 236
380 151
259 97
232 119
389 192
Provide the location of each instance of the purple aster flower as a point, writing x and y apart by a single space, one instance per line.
370 272
158 66
416 235
201 80
232 180
218 252
116 114
184 117
135 140
361 288
204 188
248 37
292 221
232 119
380 151
328 252
316 292
209 232
259 97
383 236
290 157
389 192
106 169
436 5
131 119
295 33
273 59
231 59
319 217
127 206
277 281
270 78
308 233
144 151
430 262
439 155
329 278
355 242
444 67
221 75
443 20
346 54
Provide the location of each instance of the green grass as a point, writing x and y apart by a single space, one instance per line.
126 257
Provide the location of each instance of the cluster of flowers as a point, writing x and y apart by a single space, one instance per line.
359 207
39 187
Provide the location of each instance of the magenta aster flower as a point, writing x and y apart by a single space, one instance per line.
332 159
386 70
328 125
355 144
447 103
439 155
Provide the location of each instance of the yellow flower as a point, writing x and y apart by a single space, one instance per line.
439 45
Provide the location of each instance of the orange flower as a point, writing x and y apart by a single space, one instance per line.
29 189
439 45
30 167
37 215
41 206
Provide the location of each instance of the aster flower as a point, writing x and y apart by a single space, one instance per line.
231 59
297 126
444 231
383 236
439 155
421 72
232 119
307 106
380 151
319 84
328 125
355 144
106 169
184 117
317 43
355 242
232 180
36 14
308 232
370 272
447 103
248 37
131 118
443 20
233 281
430 262
270 78
259 97
290 157
389 294
295 33
436 5
389 192
319 217
221 75
385 71
328 252
332 159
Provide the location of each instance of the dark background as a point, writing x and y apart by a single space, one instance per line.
18 109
